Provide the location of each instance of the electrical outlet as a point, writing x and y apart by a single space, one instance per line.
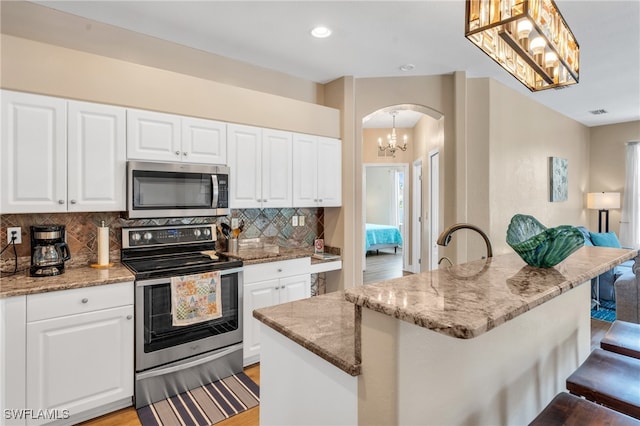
294 221
301 220
234 223
18 232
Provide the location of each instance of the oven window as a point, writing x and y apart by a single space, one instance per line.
159 332
153 190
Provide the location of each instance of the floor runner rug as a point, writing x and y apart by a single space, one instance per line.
206 405
606 312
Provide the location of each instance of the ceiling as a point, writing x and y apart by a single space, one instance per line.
375 38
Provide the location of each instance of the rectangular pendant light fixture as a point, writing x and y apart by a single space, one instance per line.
528 38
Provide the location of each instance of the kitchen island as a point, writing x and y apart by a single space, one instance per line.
486 342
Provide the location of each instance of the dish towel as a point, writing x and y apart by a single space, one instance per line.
195 298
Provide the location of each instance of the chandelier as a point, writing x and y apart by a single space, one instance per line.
392 139
528 38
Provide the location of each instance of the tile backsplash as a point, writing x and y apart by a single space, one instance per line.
81 230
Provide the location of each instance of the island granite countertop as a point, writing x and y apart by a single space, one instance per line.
467 300
325 325
80 276
461 301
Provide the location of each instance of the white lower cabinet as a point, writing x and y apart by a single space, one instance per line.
269 284
79 353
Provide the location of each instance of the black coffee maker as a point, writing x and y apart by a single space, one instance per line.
49 251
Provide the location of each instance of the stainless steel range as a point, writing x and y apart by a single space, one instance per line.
174 358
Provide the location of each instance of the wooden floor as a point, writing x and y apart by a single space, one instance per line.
129 417
383 266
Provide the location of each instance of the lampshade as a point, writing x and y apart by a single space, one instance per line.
603 200
528 38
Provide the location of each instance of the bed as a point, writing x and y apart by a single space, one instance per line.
381 236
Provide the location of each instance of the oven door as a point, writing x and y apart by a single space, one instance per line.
158 342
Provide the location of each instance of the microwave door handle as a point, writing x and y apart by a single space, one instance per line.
216 191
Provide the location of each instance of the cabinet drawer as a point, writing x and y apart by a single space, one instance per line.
69 302
275 270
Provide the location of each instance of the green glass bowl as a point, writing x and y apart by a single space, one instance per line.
540 246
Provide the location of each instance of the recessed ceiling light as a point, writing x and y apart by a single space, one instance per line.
321 32
407 67
599 111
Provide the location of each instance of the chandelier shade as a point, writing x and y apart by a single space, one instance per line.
528 38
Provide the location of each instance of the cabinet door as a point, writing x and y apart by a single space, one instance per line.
34 153
80 362
305 171
97 157
204 141
257 295
244 146
329 172
277 163
153 136
12 357
295 288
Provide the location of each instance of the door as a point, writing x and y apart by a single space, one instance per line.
244 146
277 169
257 295
305 170
34 153
204 141
96 172
295 288
80 362
153 136
329 172
434 207
416 218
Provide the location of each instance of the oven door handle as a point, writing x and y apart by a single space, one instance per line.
144 283
184 366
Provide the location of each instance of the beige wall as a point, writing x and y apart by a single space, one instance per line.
512 174
51 70
607 165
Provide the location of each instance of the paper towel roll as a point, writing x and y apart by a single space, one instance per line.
103 245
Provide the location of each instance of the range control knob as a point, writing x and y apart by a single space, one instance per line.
135 237
207 232
147 236
196 232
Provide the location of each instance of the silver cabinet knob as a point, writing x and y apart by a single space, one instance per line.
279 269
85 300
184 153
320 200
277 287
177 152
72 201
60 201
129 317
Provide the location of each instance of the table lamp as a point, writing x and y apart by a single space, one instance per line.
603 201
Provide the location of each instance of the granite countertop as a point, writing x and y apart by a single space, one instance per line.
256 256
76 277
325 325
467 300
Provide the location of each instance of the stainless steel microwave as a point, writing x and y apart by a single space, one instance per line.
176 190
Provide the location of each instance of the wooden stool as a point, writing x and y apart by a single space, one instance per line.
623 338
570 410
609 379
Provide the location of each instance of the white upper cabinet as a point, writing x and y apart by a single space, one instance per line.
155 136
96 157
34 153
317 171
204 141
261 168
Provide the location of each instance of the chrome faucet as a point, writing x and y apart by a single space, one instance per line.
445 236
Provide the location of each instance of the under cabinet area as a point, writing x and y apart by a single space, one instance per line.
77 354
60 155
269 284
154 136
